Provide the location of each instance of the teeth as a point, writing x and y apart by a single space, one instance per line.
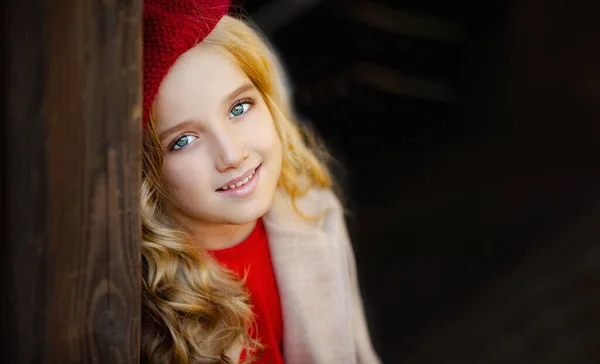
240 183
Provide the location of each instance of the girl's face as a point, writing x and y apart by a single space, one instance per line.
222 153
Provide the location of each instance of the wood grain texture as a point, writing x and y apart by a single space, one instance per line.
71 144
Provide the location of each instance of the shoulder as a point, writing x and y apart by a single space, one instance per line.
316 208
318 201
325 209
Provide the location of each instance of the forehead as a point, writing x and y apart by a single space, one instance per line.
196 86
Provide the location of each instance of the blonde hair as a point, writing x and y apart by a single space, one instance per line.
194 310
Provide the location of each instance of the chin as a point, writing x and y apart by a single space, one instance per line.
253 208
244 212
243 216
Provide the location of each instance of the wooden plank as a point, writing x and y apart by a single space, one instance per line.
23 185
71 143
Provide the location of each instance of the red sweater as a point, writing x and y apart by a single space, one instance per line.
253 256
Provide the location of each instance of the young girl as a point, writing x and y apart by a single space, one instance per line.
245 250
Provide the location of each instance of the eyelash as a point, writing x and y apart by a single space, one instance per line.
174 142
248 101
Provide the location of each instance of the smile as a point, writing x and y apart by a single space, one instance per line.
239 183
241 186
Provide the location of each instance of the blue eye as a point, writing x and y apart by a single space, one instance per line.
240 109
183 141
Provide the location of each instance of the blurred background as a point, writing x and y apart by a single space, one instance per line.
467 134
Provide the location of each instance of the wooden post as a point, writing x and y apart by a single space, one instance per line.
70 152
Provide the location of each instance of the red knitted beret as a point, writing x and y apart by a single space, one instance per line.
171 27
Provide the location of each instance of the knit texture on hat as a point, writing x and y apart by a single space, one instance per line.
171 27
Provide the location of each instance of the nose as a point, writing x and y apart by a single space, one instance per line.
230 153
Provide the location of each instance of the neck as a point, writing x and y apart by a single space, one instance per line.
219 236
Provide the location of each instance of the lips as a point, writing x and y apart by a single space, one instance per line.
239 181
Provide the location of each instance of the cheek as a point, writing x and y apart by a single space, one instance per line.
262 135
277 145
181 173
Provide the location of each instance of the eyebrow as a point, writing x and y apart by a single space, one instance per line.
173 129
237 92
229 99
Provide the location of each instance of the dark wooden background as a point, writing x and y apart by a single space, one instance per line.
469 135
70 148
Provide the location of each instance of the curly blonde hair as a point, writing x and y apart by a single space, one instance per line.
194 310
